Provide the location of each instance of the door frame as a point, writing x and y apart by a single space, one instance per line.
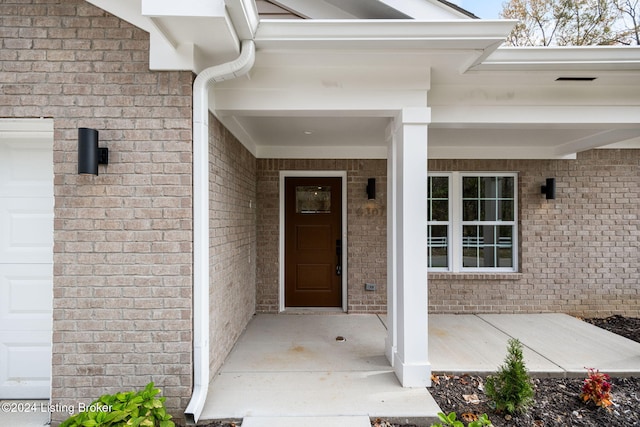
345 246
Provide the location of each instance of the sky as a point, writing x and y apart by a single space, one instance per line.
486 9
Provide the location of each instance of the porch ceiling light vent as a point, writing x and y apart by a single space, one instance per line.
549 190
575 79
371 189
89 154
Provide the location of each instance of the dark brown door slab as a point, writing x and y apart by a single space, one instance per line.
313 245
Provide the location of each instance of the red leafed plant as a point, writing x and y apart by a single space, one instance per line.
597 388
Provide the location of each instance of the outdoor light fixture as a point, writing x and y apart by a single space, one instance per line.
549 189
371 189
89 154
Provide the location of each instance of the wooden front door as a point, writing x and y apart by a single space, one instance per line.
313 242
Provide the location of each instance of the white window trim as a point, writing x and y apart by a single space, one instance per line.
456 224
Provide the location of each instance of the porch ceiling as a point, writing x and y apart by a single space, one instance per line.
329 88
335 96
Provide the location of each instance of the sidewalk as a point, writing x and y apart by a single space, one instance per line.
555 345
292 366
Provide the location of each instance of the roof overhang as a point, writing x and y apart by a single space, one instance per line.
330 87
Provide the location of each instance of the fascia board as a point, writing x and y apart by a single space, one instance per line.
615 58
272 33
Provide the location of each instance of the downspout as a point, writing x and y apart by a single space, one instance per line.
201 85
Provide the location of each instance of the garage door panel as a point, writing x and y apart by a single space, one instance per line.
26 167
27 229
25 365
25 297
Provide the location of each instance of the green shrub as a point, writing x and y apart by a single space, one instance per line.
450 420
511 389
137 409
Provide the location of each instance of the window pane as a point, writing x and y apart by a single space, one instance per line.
506 187
470 236
488 210
470 257
439 187
505 257
438 246
312 199
469 210
505 210
487 187
505 246
439 210
486 256
470 187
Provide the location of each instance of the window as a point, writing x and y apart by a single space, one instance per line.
438 222
472 222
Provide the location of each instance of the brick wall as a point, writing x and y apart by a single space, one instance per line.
367 228
233 241
578 253
122 254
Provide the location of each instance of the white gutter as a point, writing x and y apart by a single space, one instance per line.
203 82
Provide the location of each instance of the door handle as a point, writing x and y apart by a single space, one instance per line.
339 256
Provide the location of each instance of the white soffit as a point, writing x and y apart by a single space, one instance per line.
374 9
428 9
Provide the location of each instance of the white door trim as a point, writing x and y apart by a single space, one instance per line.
318 174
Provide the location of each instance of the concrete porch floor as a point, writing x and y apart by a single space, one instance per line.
292 368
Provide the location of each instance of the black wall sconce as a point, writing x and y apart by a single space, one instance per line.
89 154
371 189
549 190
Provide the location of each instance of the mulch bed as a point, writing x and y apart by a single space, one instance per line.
557 401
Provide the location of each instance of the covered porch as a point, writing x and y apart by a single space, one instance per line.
300 368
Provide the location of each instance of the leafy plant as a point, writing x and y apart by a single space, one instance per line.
511 389
597 388
136 409
450 420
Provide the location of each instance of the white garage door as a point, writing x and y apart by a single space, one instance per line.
26 258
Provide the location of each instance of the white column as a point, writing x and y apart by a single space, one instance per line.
408 331
391 343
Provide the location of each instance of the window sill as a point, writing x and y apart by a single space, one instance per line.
475 276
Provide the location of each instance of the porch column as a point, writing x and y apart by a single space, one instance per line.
407 342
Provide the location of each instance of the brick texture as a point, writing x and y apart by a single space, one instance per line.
366 231
233 241
578 253
122 254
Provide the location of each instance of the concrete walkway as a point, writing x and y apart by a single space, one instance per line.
291 368
555 345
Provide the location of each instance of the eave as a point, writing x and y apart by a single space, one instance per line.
382 34
579 58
